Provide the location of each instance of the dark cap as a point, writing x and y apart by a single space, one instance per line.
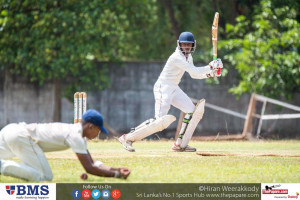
94 117
186 37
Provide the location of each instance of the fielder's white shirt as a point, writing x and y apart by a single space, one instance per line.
58 136
177 64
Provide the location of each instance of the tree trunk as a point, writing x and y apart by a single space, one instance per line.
57 101
168 5
214 5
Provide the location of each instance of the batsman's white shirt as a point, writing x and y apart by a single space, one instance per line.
166 89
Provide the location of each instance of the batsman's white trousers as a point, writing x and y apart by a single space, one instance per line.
15 141
166 95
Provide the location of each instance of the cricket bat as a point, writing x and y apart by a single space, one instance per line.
214 38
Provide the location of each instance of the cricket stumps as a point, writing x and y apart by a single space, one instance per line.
80 101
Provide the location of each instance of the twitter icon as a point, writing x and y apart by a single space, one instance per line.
96 194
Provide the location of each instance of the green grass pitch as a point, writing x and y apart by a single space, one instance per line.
154 162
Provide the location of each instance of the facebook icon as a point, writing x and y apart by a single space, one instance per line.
76 194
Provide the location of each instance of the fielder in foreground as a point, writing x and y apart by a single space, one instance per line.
167 93
28 142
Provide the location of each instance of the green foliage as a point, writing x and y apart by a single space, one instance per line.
265 51
63 40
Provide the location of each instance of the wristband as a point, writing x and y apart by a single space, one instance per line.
117 174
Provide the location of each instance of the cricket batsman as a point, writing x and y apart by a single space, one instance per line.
28 142
167 93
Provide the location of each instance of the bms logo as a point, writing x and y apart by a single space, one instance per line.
27 189
10 189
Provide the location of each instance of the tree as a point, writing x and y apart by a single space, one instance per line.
195 16
62 40
265 50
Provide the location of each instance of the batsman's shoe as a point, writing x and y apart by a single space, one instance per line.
188 148
176 147
126 144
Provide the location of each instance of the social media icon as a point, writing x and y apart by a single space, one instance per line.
86 194
76 194
116 194
96 194
105 194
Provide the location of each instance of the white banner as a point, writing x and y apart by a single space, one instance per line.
276 191
16 191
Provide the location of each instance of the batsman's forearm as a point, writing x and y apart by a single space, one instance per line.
198 72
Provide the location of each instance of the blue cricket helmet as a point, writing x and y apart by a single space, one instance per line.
186 37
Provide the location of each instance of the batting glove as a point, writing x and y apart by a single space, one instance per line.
214 73
216 64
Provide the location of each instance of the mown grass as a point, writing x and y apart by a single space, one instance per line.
154 162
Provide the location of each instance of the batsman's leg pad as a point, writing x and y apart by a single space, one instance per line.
149 127
197 116
184 125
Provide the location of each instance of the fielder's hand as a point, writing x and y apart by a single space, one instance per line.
124 172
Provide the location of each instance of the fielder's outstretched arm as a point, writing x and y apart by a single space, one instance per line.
101 170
